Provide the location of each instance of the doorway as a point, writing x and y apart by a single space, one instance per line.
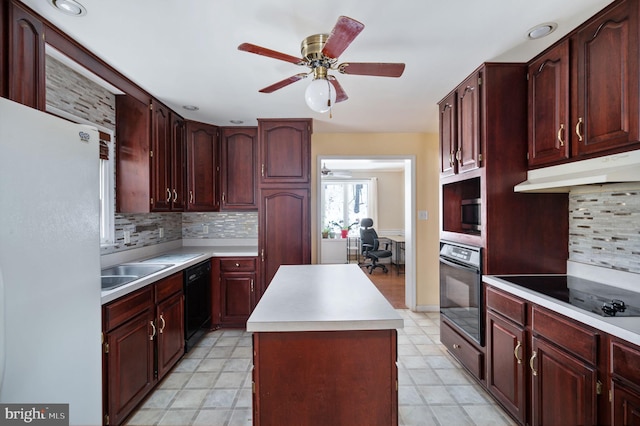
359 168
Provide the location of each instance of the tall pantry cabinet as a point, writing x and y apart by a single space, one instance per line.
284 221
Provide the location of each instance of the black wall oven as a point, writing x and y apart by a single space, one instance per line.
461 300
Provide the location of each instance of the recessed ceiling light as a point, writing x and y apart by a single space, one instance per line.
190 107
236 121
541 30
69 7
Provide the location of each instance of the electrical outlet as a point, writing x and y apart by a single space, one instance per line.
423 215
160 232
127 237
205 229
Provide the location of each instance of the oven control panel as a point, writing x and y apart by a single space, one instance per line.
465 254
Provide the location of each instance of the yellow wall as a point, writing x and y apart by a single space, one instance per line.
425 149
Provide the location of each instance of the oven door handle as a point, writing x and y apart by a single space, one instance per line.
460 266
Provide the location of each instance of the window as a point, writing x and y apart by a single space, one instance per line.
345 202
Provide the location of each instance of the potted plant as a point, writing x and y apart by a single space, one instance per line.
344 229
325 232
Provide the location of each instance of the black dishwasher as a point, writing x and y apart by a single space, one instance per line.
197 303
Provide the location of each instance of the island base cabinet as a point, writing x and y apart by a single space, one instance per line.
325 378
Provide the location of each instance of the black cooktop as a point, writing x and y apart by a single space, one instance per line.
592 296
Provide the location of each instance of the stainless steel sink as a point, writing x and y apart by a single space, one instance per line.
119 275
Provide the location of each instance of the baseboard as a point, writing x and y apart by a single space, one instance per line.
427 308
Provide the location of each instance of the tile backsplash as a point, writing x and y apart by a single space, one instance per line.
604 226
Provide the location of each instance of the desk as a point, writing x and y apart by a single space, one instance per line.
397 250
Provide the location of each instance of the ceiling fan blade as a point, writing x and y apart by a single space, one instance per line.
372 68
341 95
342 34
283 83
258 50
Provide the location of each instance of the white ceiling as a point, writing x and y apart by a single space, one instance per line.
185 52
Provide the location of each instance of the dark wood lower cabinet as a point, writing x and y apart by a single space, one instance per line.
143 340
506 365
469 355
563 387
626 405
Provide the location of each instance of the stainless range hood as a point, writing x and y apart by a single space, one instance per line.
623 167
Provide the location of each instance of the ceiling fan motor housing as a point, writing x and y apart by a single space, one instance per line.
311 50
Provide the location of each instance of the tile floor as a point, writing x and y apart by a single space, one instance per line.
212 384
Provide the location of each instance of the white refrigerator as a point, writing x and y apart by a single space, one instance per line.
50 310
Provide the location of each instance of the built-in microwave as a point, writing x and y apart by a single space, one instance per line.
470 214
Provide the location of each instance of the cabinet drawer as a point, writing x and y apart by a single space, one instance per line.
241 264
169 286
465 352
579 340
509 306
625 362
125 308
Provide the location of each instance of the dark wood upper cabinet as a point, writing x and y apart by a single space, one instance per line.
133 160
549 126
606 74
285 150
460 127
26 67
202 167
178 161
239 171
167 159
161 185
469 94
448 135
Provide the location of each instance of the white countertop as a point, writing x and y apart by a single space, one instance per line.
627 328
322 298
202 251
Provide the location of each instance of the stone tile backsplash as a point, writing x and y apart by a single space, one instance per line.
223 225
604 226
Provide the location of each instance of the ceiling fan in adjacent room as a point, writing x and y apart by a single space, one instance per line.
320 53
325 172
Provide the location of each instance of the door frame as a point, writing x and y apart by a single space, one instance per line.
409 214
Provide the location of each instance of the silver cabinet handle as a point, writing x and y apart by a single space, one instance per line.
560 134
251 286
153 327
515 352
533 369
578 124
163 323
168 195
175 195
190 197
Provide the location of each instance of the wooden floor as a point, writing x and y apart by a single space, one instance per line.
391 285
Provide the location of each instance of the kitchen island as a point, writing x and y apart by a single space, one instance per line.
325 349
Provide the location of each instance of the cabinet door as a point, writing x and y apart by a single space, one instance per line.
202 167
607 104
549 127
130 370
160 158
284 230
177 166
170 324
285 151
468 154
448 135
239 161
238 300
133 160
26 72
506 365
564 388
626 406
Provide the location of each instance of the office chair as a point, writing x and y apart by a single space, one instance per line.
370 246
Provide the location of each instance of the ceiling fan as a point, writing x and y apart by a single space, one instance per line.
326 172
320 52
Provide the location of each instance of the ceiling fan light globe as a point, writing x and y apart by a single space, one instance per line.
320 95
